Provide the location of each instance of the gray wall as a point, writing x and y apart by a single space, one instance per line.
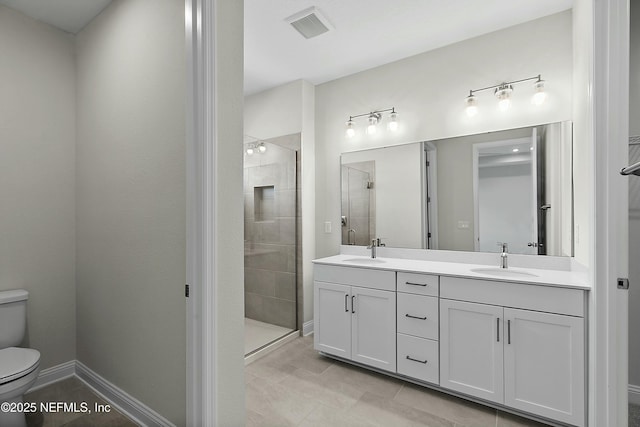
131 200
432 108
37 149
634 219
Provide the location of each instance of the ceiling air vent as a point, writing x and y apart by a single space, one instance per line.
310 22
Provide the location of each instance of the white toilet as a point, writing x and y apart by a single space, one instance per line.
19 367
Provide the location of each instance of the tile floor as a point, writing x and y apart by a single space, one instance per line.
72 390
294 386
258 334
634 415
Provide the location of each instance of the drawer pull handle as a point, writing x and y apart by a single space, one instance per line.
416 284
416 317
416 360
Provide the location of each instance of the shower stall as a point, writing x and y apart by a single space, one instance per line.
271 240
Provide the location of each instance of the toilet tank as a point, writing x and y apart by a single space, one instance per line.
13 317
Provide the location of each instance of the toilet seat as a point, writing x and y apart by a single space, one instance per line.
17 362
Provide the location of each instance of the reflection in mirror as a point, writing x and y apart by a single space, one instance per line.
358 203
464 193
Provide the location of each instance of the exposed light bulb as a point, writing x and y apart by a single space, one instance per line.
250 151
540 95
504 104
472 105
262 148
373 122
393 124
350 130
503 93
515 150
530 148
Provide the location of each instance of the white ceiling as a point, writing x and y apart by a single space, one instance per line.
68 15
367 34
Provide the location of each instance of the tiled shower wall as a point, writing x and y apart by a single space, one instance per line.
271 194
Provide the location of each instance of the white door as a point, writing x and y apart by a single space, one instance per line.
471 337
373 328
544 364
332 319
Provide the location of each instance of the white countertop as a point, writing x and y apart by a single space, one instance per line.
534 276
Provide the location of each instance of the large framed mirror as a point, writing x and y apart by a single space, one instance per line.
465 193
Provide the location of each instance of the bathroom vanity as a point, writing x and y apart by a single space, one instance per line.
510 338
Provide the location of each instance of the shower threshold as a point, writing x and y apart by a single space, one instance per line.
261 338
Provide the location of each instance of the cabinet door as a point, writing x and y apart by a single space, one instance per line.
544 364
471 357
332 319
373 328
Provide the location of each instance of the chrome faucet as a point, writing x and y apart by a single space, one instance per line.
503 255
375 243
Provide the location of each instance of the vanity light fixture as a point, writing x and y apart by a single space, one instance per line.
373 118
251 148
472 104
350 130
503 92
540 95
393 124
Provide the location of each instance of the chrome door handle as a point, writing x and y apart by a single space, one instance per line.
346 298
498 329
416 317
353 310
508 331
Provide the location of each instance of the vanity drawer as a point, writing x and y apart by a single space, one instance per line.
417 315
416 283
354 276
517 295
418 358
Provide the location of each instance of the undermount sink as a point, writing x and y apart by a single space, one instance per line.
504 272
364 260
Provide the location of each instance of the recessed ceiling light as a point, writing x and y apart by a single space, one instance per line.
515 150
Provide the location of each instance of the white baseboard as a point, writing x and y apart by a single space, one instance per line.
124 402
121 400
54 374
307 328
634 394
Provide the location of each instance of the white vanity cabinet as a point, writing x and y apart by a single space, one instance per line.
518 345
355 314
